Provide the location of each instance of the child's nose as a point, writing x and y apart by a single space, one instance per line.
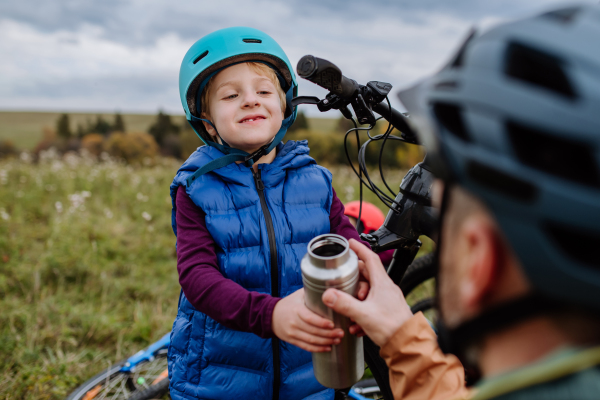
250 99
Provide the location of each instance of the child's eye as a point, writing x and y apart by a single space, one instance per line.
264 92
231 96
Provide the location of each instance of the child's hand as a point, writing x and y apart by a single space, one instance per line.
296 324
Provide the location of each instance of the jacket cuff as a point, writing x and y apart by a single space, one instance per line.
416 328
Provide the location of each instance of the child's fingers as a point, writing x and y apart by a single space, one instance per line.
356 330
325 333
364 272
313 319
315 340
311 348
363 290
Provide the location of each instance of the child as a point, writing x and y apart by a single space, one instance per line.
244 209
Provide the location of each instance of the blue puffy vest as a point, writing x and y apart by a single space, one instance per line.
260 242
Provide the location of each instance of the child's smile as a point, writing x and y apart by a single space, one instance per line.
245 108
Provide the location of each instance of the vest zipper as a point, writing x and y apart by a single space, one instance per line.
274 275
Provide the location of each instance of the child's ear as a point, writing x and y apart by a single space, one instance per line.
211 131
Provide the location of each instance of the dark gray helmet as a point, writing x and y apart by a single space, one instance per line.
515 119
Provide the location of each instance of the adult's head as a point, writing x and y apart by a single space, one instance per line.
512 127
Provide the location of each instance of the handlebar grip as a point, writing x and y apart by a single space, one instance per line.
327 75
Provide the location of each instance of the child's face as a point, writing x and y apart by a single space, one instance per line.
244 107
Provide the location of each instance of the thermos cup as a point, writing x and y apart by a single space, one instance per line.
330 263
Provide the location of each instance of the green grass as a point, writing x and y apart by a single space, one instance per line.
24 128
87 267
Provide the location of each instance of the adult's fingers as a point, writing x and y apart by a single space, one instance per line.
343 303
373 269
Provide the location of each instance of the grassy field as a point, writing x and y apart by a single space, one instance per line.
24 128
87 267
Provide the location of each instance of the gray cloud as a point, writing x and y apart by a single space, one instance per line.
126 53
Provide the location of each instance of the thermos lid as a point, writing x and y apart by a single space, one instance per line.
329 261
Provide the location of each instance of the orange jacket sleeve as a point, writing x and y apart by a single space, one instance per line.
418 368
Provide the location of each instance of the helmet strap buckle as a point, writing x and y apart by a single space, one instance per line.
254 157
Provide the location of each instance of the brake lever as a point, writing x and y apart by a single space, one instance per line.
305 100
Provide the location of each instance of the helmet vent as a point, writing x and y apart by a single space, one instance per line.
578 244
565 158
538 68
564 15
201 56
450 116
501 182
458 59
251 40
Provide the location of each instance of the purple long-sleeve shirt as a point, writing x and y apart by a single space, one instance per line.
208 290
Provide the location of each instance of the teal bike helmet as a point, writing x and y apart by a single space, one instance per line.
217 51
514 118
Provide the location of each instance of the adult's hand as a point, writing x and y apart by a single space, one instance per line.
384 310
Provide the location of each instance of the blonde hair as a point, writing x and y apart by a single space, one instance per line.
256 67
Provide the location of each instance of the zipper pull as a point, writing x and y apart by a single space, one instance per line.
259 183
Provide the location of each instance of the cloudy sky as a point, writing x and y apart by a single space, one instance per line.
75 55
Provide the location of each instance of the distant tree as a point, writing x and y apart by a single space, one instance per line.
162 127
81 131
63 129
101 126
344 124
300 123
119 125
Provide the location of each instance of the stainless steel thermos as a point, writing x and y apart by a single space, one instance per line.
330 263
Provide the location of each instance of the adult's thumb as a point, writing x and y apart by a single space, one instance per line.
342 303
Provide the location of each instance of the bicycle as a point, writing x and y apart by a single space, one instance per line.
411 213
140 377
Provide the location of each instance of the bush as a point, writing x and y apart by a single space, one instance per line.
189 141
171 146
133 147
93 143
7 149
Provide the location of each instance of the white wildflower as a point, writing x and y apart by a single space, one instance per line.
26 157
107 213
3 176
150 228
146 216
77 200
4 215
141 197
59 207
349 193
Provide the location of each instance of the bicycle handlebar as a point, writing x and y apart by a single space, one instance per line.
327 75
344 91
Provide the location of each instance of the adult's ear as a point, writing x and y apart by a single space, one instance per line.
483 258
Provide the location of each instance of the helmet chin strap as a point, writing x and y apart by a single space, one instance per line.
464 339
233 155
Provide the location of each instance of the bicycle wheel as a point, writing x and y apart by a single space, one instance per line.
114 383
365 390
